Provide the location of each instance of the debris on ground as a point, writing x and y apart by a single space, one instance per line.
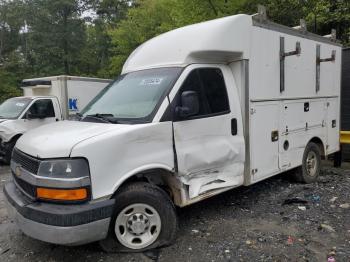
303 208
263 222
294 200
290 240
327 227
345 206
330 259
333 199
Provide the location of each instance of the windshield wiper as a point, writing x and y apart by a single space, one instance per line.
108 118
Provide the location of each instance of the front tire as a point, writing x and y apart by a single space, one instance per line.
309 171
144 218
8 151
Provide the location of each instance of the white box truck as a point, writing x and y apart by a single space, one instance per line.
45 100
197 111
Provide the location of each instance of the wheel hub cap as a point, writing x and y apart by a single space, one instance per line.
311 163
137 226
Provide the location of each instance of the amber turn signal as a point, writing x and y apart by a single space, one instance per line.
61 194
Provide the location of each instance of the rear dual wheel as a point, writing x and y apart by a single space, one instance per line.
144 218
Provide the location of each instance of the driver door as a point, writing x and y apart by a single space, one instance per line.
40 106
210 144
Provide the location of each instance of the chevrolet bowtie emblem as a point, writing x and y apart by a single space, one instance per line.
18 171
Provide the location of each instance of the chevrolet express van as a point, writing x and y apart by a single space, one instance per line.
196 111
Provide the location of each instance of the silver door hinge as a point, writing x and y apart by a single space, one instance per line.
252 111
254 171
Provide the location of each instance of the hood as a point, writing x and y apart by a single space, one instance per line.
58 139
3 120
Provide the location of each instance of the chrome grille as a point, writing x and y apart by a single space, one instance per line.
28 163
25 186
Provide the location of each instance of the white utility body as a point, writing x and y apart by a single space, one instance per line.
197 111
58 98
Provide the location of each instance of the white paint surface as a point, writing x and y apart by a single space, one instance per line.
211 160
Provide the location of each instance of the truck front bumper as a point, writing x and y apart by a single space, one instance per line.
57 223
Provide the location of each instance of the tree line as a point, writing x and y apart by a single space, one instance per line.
94 37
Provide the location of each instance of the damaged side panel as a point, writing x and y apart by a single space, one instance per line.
209 157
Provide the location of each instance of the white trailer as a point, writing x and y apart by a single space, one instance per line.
197 111
58 98
73 92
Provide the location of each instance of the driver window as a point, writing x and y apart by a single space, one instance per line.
42 107
193 83
210 86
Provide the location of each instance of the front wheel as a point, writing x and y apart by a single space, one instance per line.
144 218
8 151
309 171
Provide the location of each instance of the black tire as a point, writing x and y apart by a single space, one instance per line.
144 193
8 151
303 173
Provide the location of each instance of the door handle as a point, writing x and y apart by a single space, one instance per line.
274 136
234 126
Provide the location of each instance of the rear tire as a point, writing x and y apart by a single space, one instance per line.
144 218
309 171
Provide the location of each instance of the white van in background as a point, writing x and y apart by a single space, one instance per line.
197 111
46 100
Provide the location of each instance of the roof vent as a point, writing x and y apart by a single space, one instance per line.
302 27
262 14
332 35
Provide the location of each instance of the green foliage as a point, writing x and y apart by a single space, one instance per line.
152 17
149 19
112 11
332 14
56 34
95 37
8 85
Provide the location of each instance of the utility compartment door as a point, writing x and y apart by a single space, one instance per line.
210 144
301 120
264 135
333 125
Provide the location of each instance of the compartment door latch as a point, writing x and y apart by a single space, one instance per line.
274 136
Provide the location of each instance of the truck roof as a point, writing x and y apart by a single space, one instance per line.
59 77
214 40
221 40
34 97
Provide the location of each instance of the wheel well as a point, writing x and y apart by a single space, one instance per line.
162 178
320 144
15 138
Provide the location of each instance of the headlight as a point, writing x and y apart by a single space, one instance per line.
65 168
64 180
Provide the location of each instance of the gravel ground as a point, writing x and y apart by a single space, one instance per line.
257 223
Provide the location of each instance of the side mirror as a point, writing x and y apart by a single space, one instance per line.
189 104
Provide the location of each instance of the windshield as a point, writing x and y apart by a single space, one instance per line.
13 107
133 96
